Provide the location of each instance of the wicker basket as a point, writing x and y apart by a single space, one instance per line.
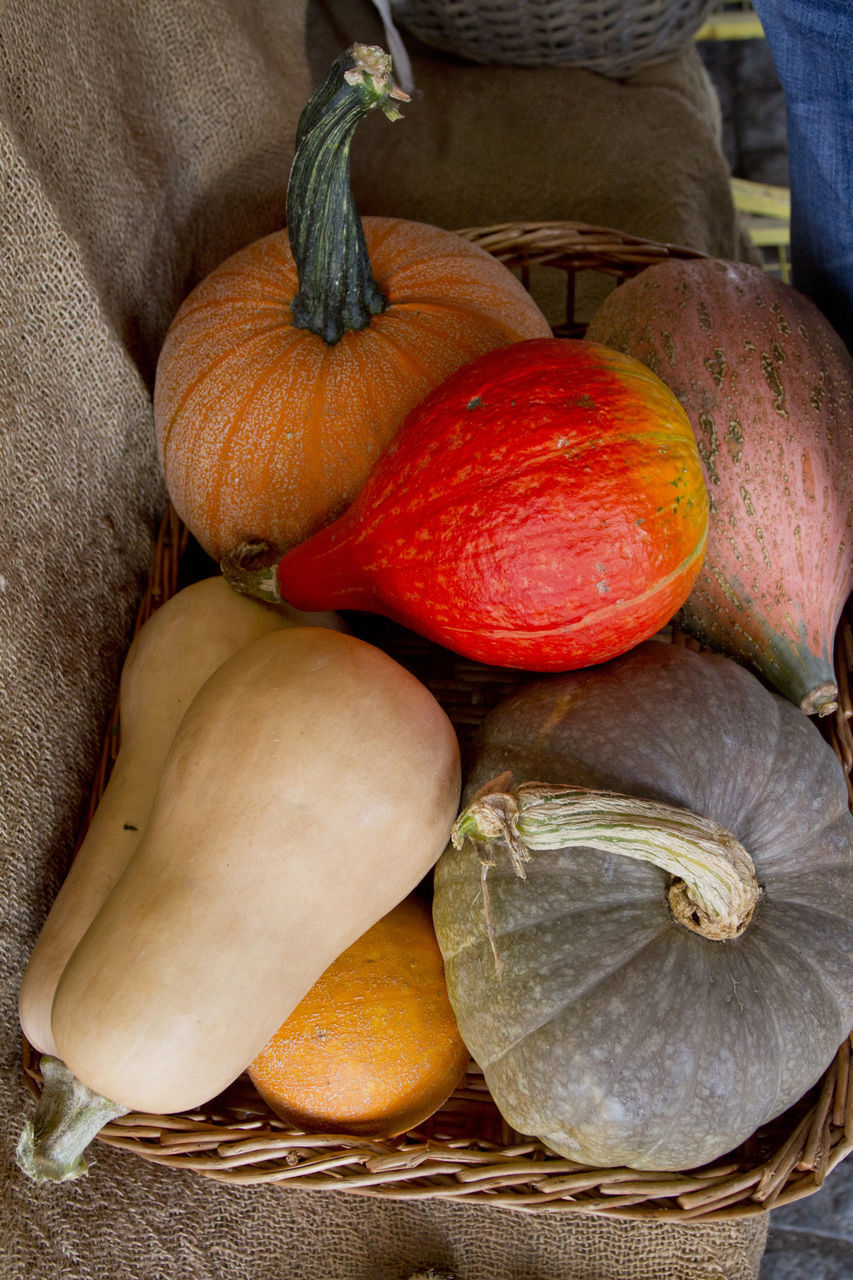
466 1151
613 37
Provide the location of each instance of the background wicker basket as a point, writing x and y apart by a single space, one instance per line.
466 1151
615 38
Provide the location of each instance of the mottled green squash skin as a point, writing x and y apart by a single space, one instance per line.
606 1029
768 387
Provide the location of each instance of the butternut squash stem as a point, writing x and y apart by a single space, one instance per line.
68 1117
337 289
714 890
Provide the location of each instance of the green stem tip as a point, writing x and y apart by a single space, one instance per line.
251 569
68 1117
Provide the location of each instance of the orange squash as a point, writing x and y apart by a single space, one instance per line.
286 372
374 1047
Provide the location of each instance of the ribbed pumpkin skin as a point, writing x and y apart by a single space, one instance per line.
543 509
768 387
265 430
613 1033
374 1047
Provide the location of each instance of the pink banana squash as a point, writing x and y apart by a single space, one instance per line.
768 387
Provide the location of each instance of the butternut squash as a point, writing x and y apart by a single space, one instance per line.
311 785
170 658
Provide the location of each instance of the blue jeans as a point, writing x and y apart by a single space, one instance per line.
811 42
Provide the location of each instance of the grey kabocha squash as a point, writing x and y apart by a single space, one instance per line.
629 1013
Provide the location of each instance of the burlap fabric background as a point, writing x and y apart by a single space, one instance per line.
140 143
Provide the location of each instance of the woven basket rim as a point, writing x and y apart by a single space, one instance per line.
237 1139
549 241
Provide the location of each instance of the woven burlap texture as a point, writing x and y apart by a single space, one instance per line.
139 145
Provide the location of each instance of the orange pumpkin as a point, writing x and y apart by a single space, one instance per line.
374 1047
286 372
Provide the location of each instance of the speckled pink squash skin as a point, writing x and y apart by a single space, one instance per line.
768 387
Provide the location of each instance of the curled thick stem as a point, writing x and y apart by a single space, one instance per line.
714 889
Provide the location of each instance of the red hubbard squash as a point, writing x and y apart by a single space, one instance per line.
286 371
373 1048
768 387
543 509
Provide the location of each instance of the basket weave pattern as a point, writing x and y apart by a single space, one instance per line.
612 37
466 1151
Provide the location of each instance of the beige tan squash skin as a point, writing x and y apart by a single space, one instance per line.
171 656
311 785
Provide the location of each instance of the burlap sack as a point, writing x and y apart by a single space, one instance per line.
140 143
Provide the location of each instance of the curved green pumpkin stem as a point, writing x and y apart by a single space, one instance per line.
337 290
714 889
68 1117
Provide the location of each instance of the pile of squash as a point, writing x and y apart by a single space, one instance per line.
641 921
